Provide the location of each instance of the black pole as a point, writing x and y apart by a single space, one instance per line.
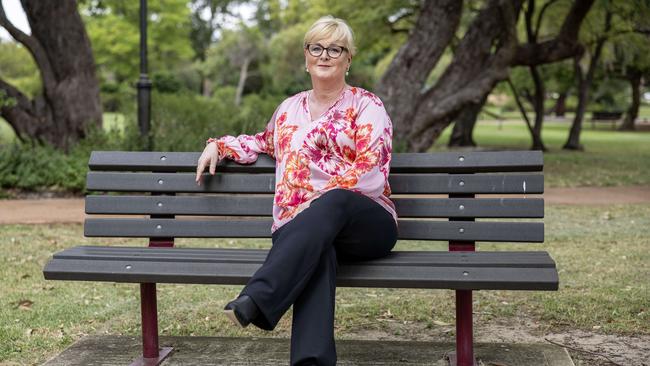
144 84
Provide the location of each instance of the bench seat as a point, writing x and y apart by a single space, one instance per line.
521 270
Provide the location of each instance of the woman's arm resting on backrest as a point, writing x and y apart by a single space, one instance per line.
244 149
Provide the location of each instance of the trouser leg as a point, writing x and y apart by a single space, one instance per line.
300 268
370 233
312 329
295 254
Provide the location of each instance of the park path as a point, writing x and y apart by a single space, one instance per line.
71 210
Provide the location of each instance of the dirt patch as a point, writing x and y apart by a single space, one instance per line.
585 347
597 195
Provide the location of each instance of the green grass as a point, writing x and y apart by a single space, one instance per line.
111 121
611 158
6 133
601 254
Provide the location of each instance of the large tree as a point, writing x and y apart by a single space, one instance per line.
482 57
585 74
69 103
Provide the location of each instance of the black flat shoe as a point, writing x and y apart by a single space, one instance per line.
241 310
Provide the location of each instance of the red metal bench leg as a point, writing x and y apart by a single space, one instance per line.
464 355
151 354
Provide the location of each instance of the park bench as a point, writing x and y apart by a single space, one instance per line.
605 116
436 199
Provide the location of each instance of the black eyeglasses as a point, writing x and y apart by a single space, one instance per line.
332 51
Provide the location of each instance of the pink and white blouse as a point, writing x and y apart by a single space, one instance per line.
349 146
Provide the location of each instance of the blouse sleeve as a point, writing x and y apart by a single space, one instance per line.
368 173
245 149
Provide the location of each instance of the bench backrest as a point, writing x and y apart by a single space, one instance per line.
238 199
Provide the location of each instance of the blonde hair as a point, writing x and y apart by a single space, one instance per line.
330 27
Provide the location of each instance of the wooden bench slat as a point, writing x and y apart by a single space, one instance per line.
440 162
515 183
260 228
236 255
463 277
262 206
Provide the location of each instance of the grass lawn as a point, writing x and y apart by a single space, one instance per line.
111 121
6 133
601 253
611 158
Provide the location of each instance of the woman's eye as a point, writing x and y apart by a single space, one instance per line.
316 49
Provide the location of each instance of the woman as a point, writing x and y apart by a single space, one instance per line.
332 147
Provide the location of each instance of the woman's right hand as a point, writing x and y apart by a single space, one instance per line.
209 157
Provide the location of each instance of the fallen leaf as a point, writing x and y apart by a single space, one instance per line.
24 304
442 324
386 314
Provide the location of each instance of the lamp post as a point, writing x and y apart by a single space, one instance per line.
144 84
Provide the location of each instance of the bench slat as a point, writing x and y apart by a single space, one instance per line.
463 276
440 162
262 206
260 228
238 255
265 183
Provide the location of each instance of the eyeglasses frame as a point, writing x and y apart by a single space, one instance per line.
325 49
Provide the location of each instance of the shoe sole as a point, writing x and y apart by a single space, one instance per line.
231 315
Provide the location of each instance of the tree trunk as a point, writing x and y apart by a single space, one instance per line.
538 105
573 143
70 101
634 77
536 138
464 125
584 85
476 68
560 105
482 58
206 86
400 86
537 99
243 75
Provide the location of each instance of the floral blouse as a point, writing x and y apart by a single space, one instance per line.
349 146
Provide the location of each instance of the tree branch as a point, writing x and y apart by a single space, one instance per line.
564 45
541 15
22 101
34 47
16 112
520 105
400 86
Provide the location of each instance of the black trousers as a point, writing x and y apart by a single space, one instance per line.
300 269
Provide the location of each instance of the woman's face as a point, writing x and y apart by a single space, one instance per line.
326 67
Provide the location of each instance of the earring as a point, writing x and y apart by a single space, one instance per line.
306 69
347 72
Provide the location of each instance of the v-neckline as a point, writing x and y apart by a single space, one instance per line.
312 120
